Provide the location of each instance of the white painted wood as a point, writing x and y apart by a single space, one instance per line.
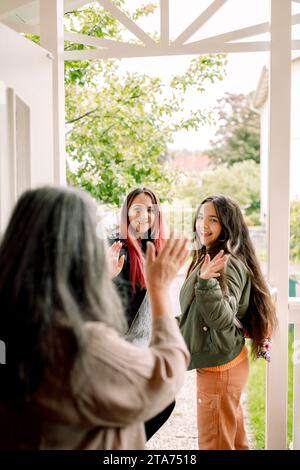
296 45
23 146
12 143
164 23
101 42
278 218
168 51
2 142
52 38
294 310
22 27
210 46
127 22
19 58
11 5
295 19
200 21
238 34
294 317
296 383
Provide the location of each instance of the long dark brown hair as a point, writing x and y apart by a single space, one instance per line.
53 278
234 239
155 234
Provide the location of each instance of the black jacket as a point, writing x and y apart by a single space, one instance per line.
131 299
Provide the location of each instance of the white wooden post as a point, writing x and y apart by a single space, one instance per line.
278 217
294 310
296 392
52 39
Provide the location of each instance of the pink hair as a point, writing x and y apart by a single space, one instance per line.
137 268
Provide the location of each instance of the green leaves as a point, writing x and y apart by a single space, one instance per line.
295 231
238 137
118 126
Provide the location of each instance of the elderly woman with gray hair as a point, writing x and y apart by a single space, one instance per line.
71 381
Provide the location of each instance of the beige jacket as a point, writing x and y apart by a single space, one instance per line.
114 388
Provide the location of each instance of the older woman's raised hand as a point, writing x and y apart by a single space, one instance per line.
116 262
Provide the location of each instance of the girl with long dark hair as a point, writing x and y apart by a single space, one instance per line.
70 380
224 288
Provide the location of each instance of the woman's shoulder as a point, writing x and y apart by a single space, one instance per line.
236 267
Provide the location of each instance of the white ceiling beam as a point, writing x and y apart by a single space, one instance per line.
296 45
167 51
211 47
23 28
70 5
238 34
9 6
200 21
127 22
164 23
296 19
100 42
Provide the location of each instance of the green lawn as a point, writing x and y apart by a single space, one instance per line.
256 398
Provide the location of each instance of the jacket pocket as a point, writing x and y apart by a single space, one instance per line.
224 341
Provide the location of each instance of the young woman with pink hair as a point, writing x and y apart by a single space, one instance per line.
141 222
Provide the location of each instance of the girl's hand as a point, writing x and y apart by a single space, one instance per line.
115 262
161 269
212 268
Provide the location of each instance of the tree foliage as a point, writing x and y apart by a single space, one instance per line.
238 135
241 182
295 231
119 125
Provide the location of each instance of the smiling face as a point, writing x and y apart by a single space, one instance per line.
208 225
141 213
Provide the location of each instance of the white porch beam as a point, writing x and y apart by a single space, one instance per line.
9 6
127 22
296 19
238 34
23 28
101 42
294 317
278 218
211 47
52 39
164 23
167 51
70 5
296 45
200 21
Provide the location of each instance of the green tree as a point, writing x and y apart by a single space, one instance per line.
241 182
295 231
119 126
238 135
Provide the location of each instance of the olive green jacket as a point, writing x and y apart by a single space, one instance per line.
207 319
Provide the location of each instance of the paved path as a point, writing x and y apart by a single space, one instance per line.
180 431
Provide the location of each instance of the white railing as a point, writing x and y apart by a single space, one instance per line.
294 318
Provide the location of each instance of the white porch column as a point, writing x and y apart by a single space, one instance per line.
278 217
52 39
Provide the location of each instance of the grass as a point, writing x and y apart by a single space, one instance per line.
256 397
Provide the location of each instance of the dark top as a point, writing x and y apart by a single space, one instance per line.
131 300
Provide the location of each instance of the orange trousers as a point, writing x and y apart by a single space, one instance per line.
219 411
